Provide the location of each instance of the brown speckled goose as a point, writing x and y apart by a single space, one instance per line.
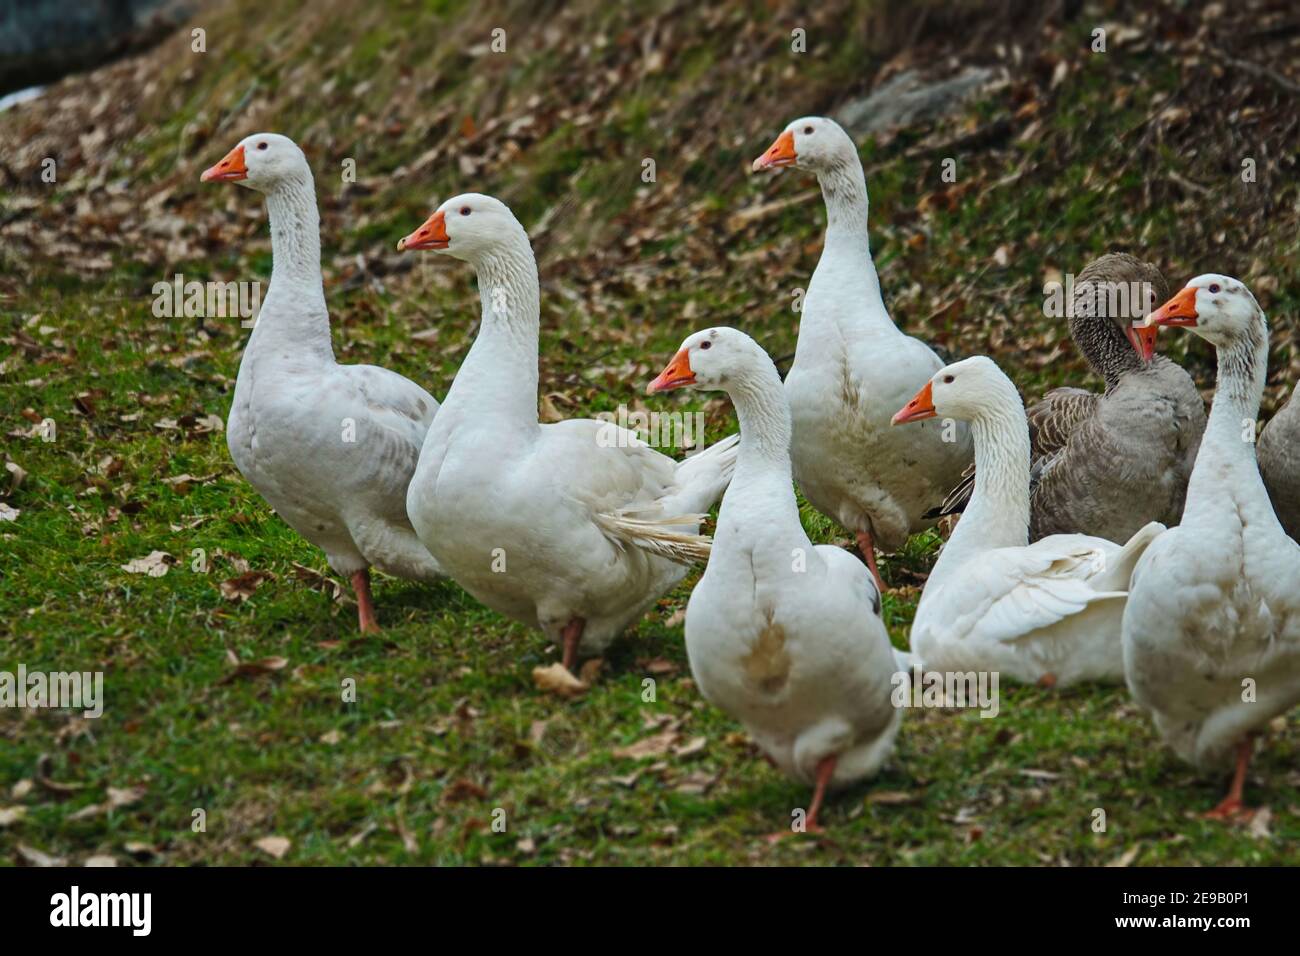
1106 465
1279 463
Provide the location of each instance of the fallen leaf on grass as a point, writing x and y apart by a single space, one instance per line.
183 483
697 784
359 837
17 474
1040 775
117 797
154 564
1127 857
556 679
242 586
590 670
893 798
1259 822
35 857
461 790
276 846
332 737
100 860
9 514
268 665
11 815
657 666
655 745
691 748
141 851
317 581
43 763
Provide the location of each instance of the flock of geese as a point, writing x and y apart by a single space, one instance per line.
1060 569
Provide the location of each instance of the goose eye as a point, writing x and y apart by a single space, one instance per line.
464 210
706 344
947 379
1214 287
807 130
262 145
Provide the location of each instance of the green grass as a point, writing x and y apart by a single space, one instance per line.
447 727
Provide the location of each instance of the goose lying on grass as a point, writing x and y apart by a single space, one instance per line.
784 636
1212 627
1107 464
330 447
575 528
1047 612
853 368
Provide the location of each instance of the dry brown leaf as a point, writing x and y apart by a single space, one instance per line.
1127 857
691 748
154 564
461 790
268 665
893 798
242 586
276 846
655 745
11 815
556 679
35 857
1259 824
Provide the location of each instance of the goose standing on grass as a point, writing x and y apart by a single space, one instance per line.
784 636
1212 627
1107 464
1047 612
1279 464
853 367
575 528
330 447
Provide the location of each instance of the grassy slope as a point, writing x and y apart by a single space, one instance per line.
447 726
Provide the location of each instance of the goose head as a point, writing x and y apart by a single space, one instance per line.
814 143
1218 308
968 391
1120 290
467 227
262 161
713 360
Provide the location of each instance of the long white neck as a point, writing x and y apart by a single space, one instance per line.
998 513
761 490
293 316
844 294
499 375
1227 455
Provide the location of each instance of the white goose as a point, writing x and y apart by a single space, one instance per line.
853 368
575 528
1212 627
784 636
1047 612
330 447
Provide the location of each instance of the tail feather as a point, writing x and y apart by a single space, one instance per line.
1120 565
703 477
659 536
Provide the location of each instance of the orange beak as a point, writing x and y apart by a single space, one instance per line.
230 168
922 406
1180 310
1143 339
779 154
676 375
432 235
